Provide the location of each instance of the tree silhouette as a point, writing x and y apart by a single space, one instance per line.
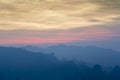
115 73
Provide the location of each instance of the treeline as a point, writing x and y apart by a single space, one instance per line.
67 70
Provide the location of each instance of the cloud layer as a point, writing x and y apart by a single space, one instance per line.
57 14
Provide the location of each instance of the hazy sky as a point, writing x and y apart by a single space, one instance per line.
58 21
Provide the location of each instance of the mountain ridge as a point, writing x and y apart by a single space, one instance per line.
89 54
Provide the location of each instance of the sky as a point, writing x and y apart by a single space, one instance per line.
92 22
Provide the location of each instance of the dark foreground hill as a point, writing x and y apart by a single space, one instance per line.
13 60
19 64
22 57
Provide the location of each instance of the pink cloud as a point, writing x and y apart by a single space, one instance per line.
41 37
32 40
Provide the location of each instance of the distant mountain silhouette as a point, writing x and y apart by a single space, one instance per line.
90 54
34 49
